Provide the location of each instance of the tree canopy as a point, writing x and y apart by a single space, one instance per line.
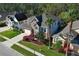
57 9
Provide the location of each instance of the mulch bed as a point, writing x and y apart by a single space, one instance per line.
35 41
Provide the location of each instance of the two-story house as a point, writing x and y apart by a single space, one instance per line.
73 36
15 20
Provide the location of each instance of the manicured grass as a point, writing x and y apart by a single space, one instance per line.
2 39
42 49
10 33
22 51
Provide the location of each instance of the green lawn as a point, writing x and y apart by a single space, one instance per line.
2 39
22 51
42 49
10 33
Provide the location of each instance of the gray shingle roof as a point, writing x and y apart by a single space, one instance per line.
4 14
75 25
24 25
27 23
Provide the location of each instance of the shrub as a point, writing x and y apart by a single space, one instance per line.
2 24
58 45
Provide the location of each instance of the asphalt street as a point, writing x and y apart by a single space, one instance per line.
7 51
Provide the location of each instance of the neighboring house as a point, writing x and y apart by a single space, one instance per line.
32 21
55 27
74 31
3 16
74 36
38 24
35 22
15 20
32 24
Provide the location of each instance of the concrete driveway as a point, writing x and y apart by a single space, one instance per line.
14 40
4 28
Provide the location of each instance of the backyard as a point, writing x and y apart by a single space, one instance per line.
10 33
41 48
22 51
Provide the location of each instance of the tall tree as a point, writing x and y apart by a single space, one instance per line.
48 23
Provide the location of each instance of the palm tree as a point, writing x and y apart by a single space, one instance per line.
68 35
48 23
69 17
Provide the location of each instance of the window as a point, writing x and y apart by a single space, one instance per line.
36 27
33 20
44 30
34 24
10 18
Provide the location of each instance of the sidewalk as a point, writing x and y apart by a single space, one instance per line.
6 51
29 49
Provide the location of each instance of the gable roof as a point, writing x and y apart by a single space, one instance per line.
74 26
20 16
25 26
66 29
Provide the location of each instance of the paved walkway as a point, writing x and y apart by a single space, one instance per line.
4 28
14 40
